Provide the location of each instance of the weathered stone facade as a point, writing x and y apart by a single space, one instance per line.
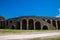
30 23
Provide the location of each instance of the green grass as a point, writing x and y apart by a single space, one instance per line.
57 38
22 31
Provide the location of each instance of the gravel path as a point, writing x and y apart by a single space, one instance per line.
29 36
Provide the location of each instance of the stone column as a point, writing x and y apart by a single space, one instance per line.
56 24
5 24
51 22
41 26
27 24
21 25
46 20
34 25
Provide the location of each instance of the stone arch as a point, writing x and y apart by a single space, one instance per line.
48 21
31 24
43 19
58 23
18 25
12 27
54 23
37 25
45 27
24 24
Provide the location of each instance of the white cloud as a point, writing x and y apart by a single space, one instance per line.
59 12
59 9
58 15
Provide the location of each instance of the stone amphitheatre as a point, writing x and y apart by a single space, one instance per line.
30 23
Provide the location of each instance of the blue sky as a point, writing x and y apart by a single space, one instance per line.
16 8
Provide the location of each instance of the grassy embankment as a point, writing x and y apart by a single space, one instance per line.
22 31
57 38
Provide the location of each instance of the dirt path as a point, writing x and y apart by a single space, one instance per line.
29 36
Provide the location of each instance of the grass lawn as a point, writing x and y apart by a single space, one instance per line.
22 31
57 38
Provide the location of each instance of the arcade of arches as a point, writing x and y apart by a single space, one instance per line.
30 24
55 23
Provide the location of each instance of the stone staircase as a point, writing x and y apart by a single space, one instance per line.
46 23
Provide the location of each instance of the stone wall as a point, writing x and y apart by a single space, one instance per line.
31 23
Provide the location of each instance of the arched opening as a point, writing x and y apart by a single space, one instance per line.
12 27
6 23
2 25
45 28
18 25
48 21
54 23
11 21
37 25
58 23
31 24
24 24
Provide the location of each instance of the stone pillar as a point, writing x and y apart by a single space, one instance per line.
34 25
41 27
56 24
51 22
27 25
46 20
14 26
21 25
5 24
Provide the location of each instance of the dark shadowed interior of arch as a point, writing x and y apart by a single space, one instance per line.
58 23
6 23
31 24
54 23
37 26
18 25
24 24
48 21
12 27
2 25
45 28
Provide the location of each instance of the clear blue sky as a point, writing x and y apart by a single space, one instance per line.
16 8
